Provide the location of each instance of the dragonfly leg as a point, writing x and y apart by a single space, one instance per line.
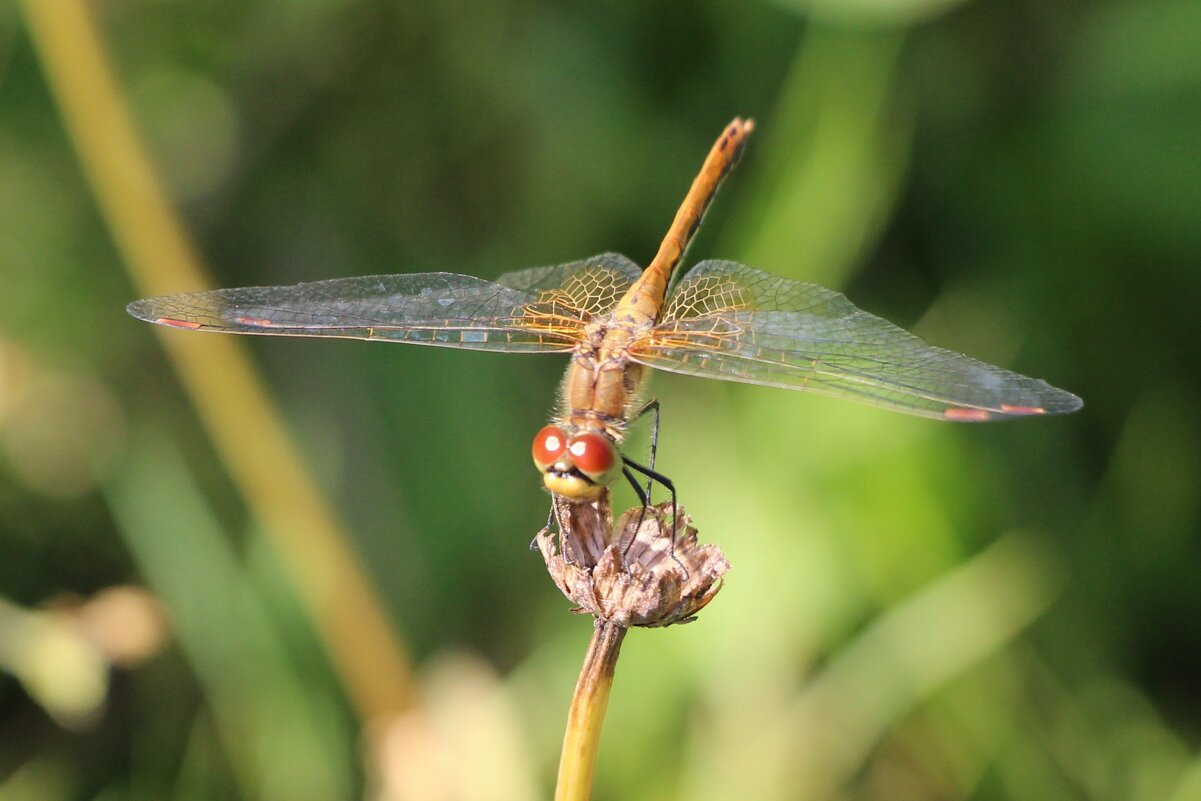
650 407
556 516
550 519
645 502
566 548
671 487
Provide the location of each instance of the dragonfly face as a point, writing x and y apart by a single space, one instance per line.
576 466
720 320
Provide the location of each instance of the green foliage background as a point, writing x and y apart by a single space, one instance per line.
916 610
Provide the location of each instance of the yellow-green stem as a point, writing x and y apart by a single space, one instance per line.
587 714
229 394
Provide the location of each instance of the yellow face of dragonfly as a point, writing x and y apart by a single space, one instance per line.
578 467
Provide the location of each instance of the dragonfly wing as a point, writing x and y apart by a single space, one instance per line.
592 287
728 321
444 309
540 309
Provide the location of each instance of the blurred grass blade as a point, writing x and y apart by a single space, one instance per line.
1190 784
827 734
281 735
871 13
47 776
226 390
832 159
914 650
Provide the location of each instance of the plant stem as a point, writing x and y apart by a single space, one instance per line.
229 395
587 714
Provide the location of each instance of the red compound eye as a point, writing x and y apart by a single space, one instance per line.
594 454
549 444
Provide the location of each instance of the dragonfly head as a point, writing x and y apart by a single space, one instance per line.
577 466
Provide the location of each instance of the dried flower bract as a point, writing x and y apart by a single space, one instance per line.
642 572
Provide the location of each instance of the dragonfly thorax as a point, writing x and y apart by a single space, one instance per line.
598 393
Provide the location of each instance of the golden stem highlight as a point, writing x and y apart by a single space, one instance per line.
582 738
228 394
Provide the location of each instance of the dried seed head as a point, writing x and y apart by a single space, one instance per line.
643 572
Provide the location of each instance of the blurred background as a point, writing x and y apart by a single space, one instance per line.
305 575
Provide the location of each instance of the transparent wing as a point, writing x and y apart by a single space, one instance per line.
543 309
728 321
591 287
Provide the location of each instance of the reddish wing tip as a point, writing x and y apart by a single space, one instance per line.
967 415
188 324
1005 407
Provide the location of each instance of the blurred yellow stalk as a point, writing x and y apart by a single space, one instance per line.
230 398
587 714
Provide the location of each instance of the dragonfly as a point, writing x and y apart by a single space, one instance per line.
721 320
